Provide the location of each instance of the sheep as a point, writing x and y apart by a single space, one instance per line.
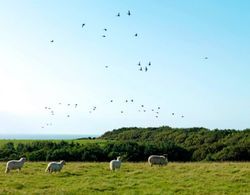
15 164
115 164
157 160
55 166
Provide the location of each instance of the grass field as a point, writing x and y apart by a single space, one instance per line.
132 178
82 141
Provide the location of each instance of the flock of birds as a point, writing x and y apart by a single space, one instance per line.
142 68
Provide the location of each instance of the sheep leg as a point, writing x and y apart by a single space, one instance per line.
7 170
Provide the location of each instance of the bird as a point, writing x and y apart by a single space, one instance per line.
104 36
111 100
132 100
139 64
105 29
83 25
68 115
142 105
144 110
68 104
140 69
45 107
76 105
126 101
136 34
156 116
152 110
52 41
118 15
172 113
157 112
146 69
149 63
159 108
206 58
121 111
129 13
182 116
106 66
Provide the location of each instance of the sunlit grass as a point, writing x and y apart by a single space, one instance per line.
133 178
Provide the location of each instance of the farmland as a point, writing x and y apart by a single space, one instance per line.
132 178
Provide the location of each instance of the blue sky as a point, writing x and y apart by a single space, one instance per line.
174 35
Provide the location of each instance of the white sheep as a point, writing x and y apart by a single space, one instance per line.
115 164
55 166
14 164
157 160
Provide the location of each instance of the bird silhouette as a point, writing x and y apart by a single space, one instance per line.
149 63
172 113
182 116
52 41
104 36
68 104
111 100
140 69
146 69
139 64
118 15
83 25
132 100
106 66
76 105
126 101
68 115
142 105
136 34
159 108
122 111
129 13
105 29
156 116
206 58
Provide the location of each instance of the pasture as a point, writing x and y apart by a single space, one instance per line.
132 178
26 141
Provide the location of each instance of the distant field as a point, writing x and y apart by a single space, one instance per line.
133 178
83 141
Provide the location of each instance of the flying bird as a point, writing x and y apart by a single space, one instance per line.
104 36
140 69
52 41
129 13
118 15
136 34
146 69
149 63
206 58
172 113
68 115
159 108
121 111
83 25
132 100
105 29
111 100
106 66
76 105
139 64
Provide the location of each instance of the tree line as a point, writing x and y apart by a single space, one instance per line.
136 144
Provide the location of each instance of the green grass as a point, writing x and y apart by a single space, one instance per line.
132 178
82 141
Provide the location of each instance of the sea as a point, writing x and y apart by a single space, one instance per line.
45 136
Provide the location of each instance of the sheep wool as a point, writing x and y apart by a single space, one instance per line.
15 164
55 166
157 160
115 164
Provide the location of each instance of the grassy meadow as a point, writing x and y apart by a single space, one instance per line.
80 141
132 178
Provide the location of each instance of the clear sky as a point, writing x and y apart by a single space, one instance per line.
175 36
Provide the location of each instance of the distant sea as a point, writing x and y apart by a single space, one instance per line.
46 136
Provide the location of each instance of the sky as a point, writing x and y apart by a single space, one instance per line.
175 36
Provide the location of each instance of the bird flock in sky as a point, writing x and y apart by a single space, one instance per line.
141 108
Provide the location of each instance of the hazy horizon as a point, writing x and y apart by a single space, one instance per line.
198 51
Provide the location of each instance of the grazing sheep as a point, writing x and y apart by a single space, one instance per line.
157 160
115 164
14 164
55 166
